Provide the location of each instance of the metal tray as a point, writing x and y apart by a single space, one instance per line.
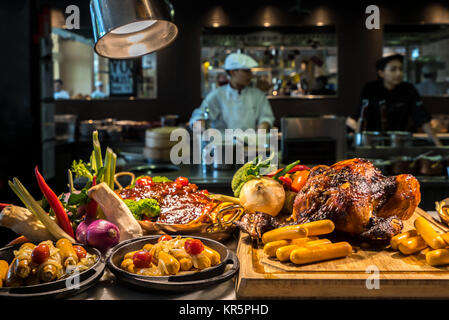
177 283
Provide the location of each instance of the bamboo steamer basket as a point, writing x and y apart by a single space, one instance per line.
158 144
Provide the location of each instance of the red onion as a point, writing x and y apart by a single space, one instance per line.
102 234
81 231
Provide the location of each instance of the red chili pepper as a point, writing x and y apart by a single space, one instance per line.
299 167
3 206
286 180
91 212
272 174
55 204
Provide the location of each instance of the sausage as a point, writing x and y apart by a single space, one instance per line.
184 259
4 266
129 255
12 280
283 253
394 242
68 254
437 257
319 227
127 265
301 241
321 252
213 255
168 263
445 237
430 236
22 265
412 245
50 270
201 261
271 247
285 233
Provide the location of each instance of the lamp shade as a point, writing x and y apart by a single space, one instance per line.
125 29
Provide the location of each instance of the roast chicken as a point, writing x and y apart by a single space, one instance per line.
357 197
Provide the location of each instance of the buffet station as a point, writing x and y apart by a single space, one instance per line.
295 232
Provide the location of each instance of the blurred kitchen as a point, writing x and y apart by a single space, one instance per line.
314 58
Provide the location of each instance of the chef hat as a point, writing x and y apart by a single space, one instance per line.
239 61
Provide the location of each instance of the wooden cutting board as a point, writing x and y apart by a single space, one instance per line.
367 273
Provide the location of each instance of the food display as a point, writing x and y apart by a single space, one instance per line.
156 201
353 193
43 263
170 256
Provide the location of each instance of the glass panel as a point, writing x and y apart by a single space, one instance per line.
426 48
86 75
292 61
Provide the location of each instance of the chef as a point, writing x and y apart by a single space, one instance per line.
394 105
59 92
98 93
235 105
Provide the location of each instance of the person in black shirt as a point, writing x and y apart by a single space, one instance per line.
389 104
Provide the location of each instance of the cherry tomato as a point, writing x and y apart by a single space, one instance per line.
142 259
145 181
80 252
165 237
204 192
299 180
193 246
40 254
182 180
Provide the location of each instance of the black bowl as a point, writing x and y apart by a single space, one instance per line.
59 289
177 283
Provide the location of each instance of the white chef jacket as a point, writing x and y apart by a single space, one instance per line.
61 95
229 109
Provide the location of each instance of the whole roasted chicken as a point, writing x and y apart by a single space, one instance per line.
357 197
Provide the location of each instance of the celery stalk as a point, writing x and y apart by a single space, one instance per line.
113 167
107 166
97 150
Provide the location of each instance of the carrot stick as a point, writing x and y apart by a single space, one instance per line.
18 240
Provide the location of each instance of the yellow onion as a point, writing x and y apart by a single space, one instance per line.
262 195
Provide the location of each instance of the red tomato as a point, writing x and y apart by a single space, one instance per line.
193 246
182 180
40 253
204 191
165 237
145 181
142 259
80 252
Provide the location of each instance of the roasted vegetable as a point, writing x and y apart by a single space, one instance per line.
22 221
116 211
262 195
